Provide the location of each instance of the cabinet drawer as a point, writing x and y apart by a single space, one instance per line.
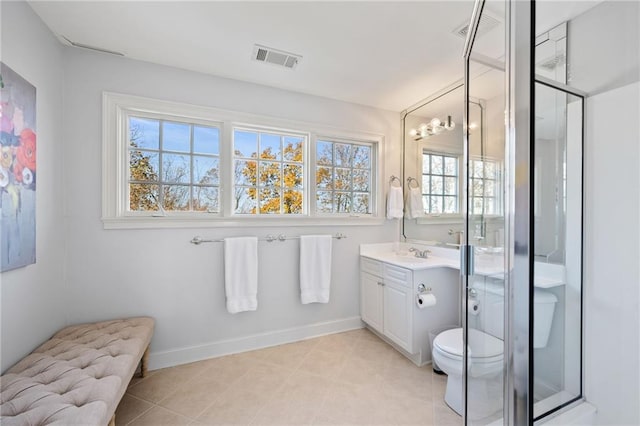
371 266
397 274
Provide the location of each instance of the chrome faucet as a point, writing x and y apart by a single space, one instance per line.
422 254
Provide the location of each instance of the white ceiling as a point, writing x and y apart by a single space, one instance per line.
386 54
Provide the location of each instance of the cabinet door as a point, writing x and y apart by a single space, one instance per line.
371 300
397 314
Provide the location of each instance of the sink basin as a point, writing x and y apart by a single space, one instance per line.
409 256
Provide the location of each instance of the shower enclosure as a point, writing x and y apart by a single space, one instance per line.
522 246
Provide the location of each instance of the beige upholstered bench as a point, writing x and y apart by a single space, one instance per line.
78 376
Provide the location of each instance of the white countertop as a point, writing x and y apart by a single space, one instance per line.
486 264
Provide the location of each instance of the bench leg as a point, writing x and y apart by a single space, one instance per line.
112 422
144 363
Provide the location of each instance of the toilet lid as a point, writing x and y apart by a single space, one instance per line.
482 345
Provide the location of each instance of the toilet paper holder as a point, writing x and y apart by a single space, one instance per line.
423 289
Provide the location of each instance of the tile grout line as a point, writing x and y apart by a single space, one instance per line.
333 380
217 398
289 370
142 413
293 371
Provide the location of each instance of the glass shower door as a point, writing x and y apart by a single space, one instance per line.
483 256
522 257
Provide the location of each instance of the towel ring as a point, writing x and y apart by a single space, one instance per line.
411 180
393 179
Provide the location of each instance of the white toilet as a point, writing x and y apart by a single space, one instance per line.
486 349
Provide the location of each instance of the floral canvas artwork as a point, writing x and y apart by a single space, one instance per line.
17 170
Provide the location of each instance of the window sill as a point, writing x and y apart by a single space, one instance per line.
133 222
443 219
454 219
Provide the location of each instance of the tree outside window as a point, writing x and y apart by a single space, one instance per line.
268 173
343 177
173 166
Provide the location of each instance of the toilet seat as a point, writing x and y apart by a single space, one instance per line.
483 348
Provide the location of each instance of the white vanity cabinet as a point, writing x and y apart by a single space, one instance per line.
371 300
386 303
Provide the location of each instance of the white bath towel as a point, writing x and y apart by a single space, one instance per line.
241 273
395 202
414 206
315 268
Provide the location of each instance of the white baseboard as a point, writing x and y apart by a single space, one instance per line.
189 354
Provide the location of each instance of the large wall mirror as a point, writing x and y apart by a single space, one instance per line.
433 161
433 164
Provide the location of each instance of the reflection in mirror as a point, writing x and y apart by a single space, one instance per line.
435 160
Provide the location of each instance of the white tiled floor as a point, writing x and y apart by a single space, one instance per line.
346 378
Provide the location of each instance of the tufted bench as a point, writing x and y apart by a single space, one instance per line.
78 376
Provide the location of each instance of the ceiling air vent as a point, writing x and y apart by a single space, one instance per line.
275 56
551 63
487 23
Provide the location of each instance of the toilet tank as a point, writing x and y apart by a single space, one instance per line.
544 305
491 314
490 295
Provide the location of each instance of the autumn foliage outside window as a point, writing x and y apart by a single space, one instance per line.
268 172
175 167
172 165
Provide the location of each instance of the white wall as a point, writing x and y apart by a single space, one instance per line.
33 297
603 47
114 273
604 60
612 254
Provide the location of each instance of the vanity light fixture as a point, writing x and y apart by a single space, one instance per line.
434 127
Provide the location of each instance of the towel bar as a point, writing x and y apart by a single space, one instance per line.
197 240
411 180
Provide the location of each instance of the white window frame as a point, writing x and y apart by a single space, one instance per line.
373 191
498 187
127 113
457 218
305 162
115 215
458 177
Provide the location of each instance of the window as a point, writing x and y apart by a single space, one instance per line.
268 172
343 177
167 164
440 183
173 166
484 187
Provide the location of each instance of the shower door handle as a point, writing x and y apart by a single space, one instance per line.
467 267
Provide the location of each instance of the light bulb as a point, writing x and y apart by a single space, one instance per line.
413 132
449 124
435 123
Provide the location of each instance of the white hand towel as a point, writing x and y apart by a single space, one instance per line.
415 206
315 268
241 273
395 202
